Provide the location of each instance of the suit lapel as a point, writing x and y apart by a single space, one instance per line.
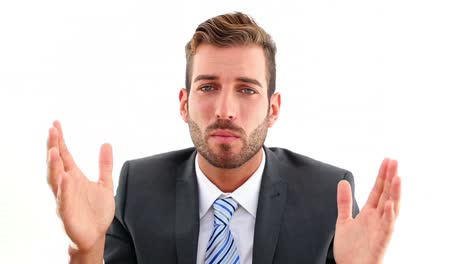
187 220
271 204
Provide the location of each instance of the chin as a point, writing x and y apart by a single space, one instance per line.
224 149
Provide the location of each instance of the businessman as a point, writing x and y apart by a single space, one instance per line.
229 199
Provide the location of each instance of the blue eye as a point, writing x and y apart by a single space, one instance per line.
248 91
207 88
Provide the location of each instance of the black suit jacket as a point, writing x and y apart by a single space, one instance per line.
157 214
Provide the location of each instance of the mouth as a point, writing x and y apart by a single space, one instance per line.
224 136
224 133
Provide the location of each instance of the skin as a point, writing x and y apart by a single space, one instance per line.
229 95
228 113
86 208
365 238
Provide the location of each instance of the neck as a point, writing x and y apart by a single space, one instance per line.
228 180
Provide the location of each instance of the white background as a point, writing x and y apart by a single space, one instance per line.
360 80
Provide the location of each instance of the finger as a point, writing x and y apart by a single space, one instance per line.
395 194
374 196
105 166
54 170
389 175
64 192
388 219
52 140
64 153
344 201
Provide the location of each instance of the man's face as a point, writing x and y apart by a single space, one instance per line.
227 110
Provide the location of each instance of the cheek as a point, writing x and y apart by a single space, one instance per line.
199 110
253 114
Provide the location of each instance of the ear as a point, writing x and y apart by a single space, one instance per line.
183 104
275 104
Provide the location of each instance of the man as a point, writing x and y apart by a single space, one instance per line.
230 199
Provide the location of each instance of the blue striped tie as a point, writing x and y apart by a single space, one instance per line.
221 246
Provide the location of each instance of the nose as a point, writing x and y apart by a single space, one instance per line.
226 105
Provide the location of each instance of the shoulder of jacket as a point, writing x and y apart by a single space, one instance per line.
300 161
167 158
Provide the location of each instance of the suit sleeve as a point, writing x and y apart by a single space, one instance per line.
119 247
350 178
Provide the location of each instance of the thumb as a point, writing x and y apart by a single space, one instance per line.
105 166
344 200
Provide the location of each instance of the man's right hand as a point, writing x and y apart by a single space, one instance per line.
86 208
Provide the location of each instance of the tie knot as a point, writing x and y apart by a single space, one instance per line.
223 210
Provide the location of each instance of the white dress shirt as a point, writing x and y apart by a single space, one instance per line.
242 223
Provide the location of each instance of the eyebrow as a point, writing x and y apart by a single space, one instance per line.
205 77
210 77
249 80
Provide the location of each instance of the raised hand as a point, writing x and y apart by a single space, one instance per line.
364 239
86 208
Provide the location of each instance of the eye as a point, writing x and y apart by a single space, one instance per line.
207 88
248 91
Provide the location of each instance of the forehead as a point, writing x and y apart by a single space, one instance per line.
230 62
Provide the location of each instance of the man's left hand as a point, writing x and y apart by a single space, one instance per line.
365 238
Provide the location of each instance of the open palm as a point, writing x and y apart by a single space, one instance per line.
86 208
364 239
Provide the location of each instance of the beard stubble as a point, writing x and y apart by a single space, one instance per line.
225 158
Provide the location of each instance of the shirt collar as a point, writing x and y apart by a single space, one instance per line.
246 195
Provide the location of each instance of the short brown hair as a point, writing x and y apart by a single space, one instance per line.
232 29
